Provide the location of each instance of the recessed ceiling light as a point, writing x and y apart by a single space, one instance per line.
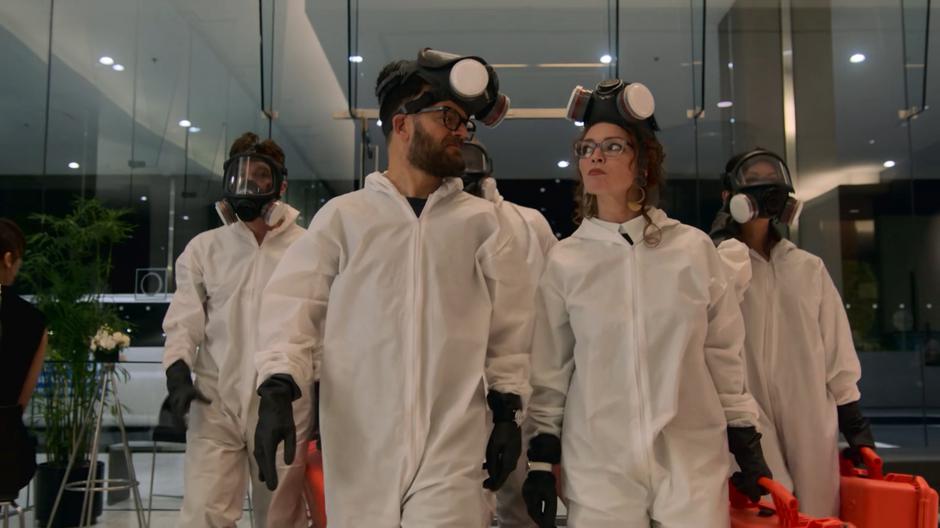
74 165
730 65
185 123
195 129
143 198
563 164
857 58
107 61
185 217
579 123
888 164
725 104
378 122
606 59
731 120
118 67
355 58
871 141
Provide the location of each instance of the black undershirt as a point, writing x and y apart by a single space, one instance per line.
417 204
627 238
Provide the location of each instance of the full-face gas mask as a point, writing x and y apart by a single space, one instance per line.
478 169
469 82
613 101
251 188
760 185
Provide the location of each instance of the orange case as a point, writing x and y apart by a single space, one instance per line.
784 512
870 499
316 501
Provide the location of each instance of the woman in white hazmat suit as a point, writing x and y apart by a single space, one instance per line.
637 371
801 363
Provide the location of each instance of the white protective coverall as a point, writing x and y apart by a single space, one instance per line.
801 365
219 280
535 237
401 317
637 366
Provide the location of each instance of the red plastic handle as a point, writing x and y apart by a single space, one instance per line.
788 508
873 462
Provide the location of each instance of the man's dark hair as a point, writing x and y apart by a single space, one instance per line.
249 141
397 96
11 239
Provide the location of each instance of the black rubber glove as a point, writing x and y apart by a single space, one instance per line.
275 425
505 444
182 392
744 444
857 431
723 224
538 491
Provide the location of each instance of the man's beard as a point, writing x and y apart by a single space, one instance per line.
433 158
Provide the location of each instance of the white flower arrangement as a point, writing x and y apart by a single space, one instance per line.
107 340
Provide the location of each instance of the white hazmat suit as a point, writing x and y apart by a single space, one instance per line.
535 237
212 324
637 367
401 317
801 365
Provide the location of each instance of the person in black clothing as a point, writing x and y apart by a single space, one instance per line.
22 349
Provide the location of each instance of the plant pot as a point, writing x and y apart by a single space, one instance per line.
107 356
48 479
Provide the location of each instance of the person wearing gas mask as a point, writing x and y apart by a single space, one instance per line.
211 330
535 237
801 363
637 370
403 298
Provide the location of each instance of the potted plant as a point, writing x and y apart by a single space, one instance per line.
67 267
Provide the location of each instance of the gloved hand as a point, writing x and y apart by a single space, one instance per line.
856 429
538 491
744 444
723 224
182 392
275 424
505 444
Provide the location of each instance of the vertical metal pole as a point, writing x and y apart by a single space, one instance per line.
789 98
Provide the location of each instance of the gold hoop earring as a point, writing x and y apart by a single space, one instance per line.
637 205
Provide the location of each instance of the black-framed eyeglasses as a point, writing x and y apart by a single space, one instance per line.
611 147
451 119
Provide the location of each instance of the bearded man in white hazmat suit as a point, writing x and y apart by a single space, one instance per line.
535 237
211 328
405 299
801 363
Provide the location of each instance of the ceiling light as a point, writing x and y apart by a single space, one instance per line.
579 123
606 59
118 67
74 165
185 123
563 164
888 164
195 129
730 65
355 58
857 58
378 122
107 61
725 104
143 198
871 141
731 120
185 217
